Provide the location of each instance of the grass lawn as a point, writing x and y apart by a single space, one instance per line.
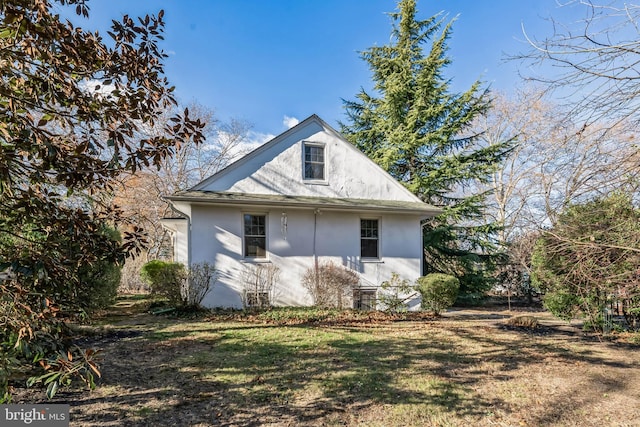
466 368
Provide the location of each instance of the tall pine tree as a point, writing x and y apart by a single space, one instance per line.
420 132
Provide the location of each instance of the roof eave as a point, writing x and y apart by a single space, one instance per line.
426 213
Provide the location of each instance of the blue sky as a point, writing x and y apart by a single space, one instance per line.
264 60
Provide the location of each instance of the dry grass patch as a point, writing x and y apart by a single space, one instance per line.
454 371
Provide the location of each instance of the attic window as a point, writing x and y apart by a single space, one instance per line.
314 161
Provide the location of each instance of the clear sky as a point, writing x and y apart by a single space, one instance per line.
265 60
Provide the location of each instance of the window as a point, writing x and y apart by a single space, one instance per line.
257 299
369 238
364 299
313 161
255 236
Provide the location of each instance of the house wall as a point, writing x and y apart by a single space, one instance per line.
278 169
217 237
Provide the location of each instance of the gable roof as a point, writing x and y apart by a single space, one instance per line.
256 152
263 177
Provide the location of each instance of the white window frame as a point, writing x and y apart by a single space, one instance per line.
378 239
323 180
266 237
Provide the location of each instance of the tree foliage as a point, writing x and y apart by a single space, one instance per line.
590 256
139 194
419 131
64 142
70 106
555 163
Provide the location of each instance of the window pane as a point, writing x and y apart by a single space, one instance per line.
369 238
247 224
308 171
313 162
314 171
369 248
257 299
364 299
369 228
255 231
318 171
255 247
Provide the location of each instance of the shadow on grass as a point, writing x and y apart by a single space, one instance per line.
246 374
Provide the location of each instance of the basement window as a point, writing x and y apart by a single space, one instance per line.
257 299
364 299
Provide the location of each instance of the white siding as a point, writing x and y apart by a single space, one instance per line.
278 169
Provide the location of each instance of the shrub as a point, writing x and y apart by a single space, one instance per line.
394 295
101 281
562 304
166 279
330 285
259 284
438 291
201 278
589 256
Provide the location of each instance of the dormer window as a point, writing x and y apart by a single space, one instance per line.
314 162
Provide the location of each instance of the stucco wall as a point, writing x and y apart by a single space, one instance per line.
217 237
278 169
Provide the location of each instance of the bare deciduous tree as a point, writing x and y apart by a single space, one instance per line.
554 164
140 195
595 60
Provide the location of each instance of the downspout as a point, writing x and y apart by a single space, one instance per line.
422 255
316 212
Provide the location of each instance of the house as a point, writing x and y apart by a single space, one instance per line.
306 196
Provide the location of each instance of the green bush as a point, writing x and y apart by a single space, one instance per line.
588 258
438 291
166 279
99 281
562 304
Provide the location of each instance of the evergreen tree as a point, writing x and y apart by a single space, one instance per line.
420 132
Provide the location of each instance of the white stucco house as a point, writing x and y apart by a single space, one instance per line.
307 195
